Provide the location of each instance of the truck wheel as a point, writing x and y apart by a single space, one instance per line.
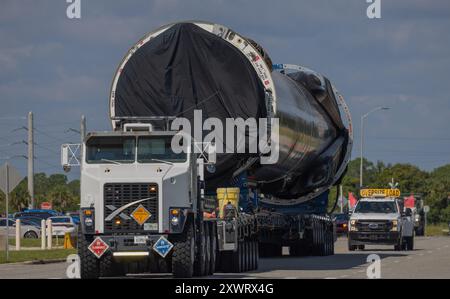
248 264
409 243
200 261
184 254
238 258
109 268
89 264
207 249
351 247
252 255
213 257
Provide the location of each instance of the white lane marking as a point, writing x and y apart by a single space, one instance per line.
409 257
429 251
343 276
330 278
291 277
420 254
396 262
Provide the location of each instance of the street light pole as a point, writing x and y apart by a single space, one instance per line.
361 168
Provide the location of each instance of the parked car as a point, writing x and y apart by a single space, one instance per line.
62 225
42 214
27 231
341 221
31 221
75 216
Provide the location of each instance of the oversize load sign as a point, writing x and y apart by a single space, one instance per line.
380 193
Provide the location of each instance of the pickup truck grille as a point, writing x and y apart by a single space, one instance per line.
116 195
374 225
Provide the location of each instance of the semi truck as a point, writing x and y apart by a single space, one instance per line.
146 206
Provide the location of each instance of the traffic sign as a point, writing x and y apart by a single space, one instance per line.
98 247
14 178
379 192
426 209
46 205
162 246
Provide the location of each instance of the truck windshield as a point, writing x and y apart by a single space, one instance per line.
111 150
384 207
155 149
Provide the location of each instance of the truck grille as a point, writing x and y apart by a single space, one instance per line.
374 225
117 195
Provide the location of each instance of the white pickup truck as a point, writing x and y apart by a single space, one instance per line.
380 221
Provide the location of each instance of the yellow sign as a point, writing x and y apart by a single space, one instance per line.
379 193
141 214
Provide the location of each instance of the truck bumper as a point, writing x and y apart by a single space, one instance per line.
128 244
361 238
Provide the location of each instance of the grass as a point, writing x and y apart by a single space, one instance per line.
35 255
36 242
437 229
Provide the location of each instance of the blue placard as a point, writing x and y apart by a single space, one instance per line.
162 246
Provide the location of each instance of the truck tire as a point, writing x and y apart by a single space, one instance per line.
351 247
237 259
208 248
252 255
213 240
200 260
256 254
399 246
183 256
409 243
89 264
109 268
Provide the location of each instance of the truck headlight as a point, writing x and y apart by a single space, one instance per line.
353 227
394 225
177 218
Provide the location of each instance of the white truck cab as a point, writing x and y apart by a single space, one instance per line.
380 220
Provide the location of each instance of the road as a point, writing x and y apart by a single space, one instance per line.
430 259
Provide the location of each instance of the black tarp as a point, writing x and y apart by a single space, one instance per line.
187 68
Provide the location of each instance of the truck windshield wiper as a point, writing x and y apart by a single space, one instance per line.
111 161
162 161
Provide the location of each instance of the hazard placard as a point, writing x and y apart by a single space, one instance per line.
141 214
98 247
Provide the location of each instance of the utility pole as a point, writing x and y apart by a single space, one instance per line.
83 128
361 168
31 159
7 211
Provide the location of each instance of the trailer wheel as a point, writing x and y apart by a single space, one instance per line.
184 254
213 240
200 261
252 255
207 248
248 256
256 247
89 264
238 258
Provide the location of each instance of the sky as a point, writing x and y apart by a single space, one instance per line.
61 68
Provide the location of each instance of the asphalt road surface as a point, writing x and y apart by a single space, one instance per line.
430 259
